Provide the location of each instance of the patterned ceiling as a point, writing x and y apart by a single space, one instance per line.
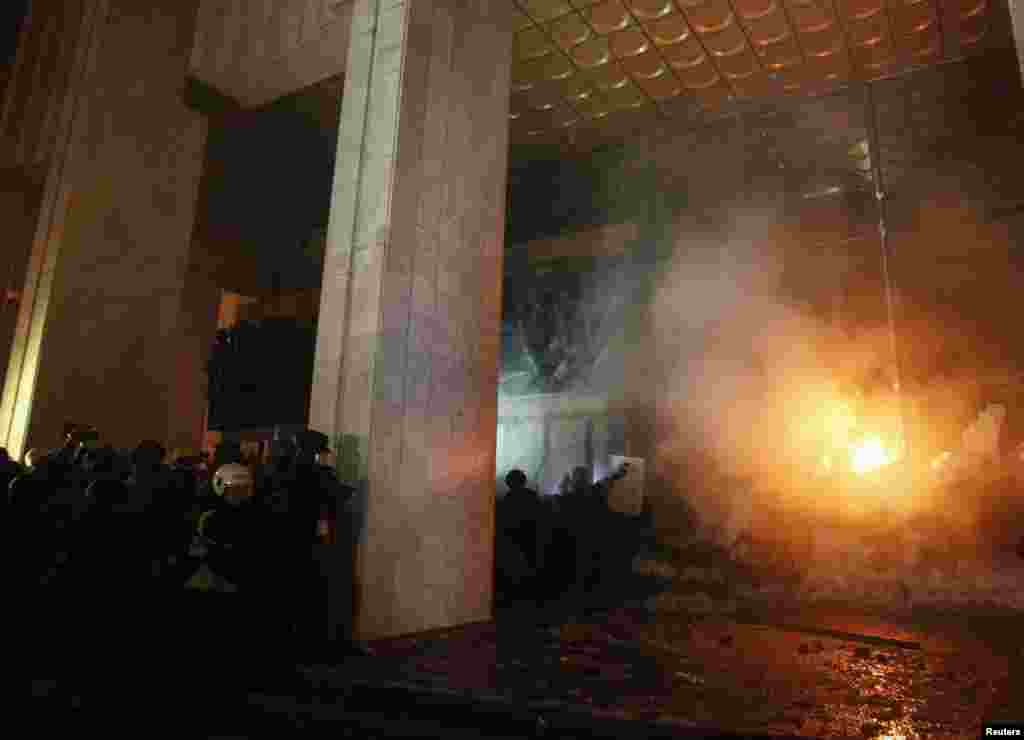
593 67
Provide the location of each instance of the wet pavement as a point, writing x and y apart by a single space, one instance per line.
760 671
809 673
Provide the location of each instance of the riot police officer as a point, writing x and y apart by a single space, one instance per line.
319 548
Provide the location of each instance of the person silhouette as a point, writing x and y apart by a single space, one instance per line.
522 540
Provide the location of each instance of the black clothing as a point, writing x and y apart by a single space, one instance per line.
235 537
520 516
305 492
9 470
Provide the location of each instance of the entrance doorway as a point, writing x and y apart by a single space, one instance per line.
260 237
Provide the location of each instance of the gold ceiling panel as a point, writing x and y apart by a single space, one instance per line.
823 44
629 43
610 76
920 48
685 55
705 75
668 30
780 54
574 89
592 54
661 88
869 30
532 43
608 17
753 10
626 98
971 8
859 10
873 59
727 43
710 17
835 68
583 68
647 66
595 107
520 20
740 66
556 67
916 18
769 28
545 10
649 10
569 31
810 17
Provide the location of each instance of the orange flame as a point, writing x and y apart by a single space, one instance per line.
869 455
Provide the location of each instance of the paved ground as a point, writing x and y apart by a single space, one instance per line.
938 677
823 673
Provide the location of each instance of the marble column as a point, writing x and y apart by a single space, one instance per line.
195 335
19 205
408 348
1017 22
96 333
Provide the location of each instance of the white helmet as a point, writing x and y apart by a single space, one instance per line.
233 482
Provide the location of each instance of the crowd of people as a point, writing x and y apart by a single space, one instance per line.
107 534
572 544
103 533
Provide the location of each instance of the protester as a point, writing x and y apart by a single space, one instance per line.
521 539
231 529
125 533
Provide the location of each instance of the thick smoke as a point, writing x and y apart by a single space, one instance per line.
760 392
751 376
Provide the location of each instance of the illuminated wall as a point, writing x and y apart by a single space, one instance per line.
548 436
100 333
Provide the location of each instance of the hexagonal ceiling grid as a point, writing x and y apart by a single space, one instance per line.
594 67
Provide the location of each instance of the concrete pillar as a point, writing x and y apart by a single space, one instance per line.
408 348
19 205
195 334
1017 21
96 332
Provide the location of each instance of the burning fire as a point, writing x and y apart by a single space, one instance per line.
941 462
848 446
869 456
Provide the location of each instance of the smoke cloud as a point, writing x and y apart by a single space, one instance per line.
761 394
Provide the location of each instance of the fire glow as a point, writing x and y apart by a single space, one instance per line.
869 456
848 446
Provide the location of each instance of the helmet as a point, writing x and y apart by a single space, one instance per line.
233 482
